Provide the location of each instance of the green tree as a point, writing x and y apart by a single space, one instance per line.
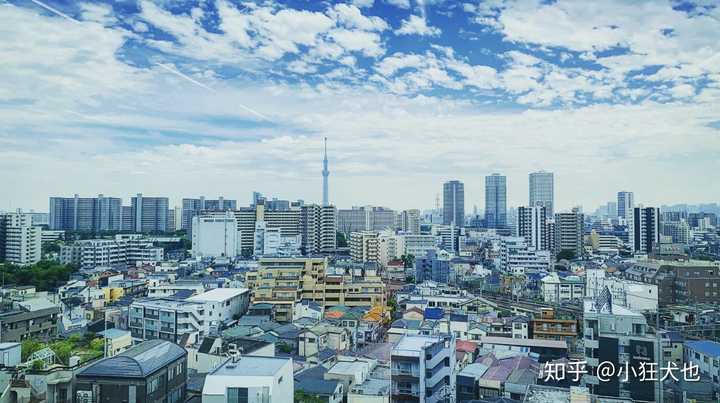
28 347
408 260
63 350
97 344
45 275
38 365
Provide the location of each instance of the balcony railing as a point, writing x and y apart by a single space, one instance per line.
405 391
406 372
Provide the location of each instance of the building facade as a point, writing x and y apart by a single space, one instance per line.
85 214
150 214
569 232
532 225
193 207
20 241
215 235
422 369
645 235
454 203
495 201
153 371
542 191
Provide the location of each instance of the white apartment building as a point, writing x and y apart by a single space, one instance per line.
514 252
418 245
222 305
271 242
364 246
422 369
251 379
123 250
197 316
555 289
640 297
20 241
215 235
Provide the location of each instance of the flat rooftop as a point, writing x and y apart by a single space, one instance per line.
249 365
414 343
510 341
219 294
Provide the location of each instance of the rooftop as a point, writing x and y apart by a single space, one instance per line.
218 295
139 361
250 365
523 342
706 347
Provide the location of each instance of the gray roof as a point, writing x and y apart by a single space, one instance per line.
316 386
140 361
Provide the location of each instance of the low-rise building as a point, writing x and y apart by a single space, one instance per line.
706 355
422 369
36 319
153 371
556 289
250 379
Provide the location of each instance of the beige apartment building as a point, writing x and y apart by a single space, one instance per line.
283 282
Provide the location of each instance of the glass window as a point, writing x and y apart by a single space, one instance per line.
237 395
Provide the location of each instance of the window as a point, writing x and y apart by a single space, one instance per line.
237 395
153 385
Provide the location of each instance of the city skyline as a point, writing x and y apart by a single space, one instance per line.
179 100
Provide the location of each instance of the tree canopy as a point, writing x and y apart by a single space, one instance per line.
45 275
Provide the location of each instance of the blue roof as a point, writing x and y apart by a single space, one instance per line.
433 313
707 347
140 361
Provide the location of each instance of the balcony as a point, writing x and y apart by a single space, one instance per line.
406 392
412 371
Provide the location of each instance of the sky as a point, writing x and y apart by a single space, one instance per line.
221 97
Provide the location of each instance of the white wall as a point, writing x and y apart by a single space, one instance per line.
214 236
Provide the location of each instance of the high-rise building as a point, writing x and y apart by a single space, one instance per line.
454 203
215 235
364 246
150 214
366 218
319 228
193 207
317 225
542 191
495 201
612 209
87 214
532 225
20 241
409 221
645 235
625 205
325 174
569 232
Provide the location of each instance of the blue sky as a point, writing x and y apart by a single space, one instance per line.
219 97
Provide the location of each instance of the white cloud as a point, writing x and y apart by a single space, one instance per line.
399 3
352 17
416 25
683 91
363 3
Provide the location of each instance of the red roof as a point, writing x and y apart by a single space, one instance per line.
466 346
